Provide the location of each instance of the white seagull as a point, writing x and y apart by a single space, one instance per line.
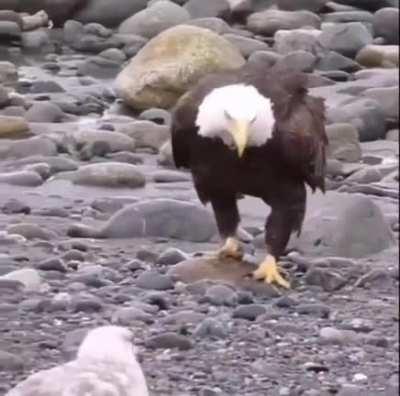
105 365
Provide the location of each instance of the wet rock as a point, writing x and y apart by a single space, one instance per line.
246 45
169 341
146 134
158 218
128 316
171 256
249 312
319 310
110 174
29 277
14 206
211 327
21 178
147 80
221 295
13 127
344 143
346 39
10 362
270 21
152 280
52 264
373 55
44 112
386 24
86 302
327 280
155 19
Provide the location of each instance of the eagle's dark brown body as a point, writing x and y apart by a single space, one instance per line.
276 172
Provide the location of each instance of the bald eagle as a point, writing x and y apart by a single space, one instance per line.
253 131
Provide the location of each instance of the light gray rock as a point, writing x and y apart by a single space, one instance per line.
116 141
27 147
21 178
44 112
29 277
267 58
344 142
386 24
287 41
165 157
393 135
155 218
346 39
146 134
31 231
72 31
299 60
9 30
335 61
365 176
387 98
270 21
246 45
153 20
108 174
347 225
37 40
8 73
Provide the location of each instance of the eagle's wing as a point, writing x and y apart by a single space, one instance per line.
301 131
183 129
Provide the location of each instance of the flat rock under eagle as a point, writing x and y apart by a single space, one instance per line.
253 131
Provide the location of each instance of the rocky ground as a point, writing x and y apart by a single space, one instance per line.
96 225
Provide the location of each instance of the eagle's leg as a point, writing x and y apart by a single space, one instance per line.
285 218
227 217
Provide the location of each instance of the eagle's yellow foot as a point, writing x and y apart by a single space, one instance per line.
231 249
269 271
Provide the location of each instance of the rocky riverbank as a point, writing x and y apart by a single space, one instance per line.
96 225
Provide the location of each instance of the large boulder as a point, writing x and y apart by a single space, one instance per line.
270 21
109 13
170 63
155 19
347 225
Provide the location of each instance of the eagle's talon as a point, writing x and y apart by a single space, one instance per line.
231 249
269 271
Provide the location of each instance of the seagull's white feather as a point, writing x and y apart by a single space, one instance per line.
105 366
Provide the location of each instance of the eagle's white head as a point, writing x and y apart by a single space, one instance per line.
238 114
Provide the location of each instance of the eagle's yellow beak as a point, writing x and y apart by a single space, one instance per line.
240 134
